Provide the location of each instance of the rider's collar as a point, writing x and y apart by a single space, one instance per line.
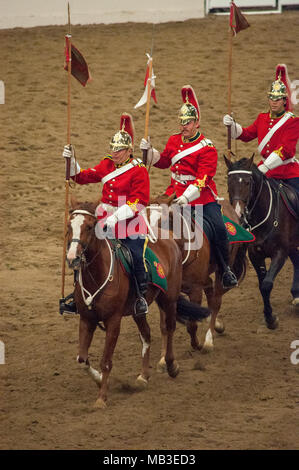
120 164
192 139
277 115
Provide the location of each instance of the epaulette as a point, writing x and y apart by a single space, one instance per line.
138 161
107 156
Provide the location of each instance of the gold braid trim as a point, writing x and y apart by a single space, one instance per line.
279 152
201 183
133 205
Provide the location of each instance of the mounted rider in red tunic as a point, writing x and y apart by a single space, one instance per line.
125 193
277 132
192 159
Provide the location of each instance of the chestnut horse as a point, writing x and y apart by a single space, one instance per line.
276 230
198 267
103 293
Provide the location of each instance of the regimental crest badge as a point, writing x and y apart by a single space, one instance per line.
159 270
230 228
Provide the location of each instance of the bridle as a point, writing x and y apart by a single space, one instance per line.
247 211
86 295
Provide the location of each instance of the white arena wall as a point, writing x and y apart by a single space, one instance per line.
28 13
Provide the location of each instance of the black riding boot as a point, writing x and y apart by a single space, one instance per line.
229 279
141 307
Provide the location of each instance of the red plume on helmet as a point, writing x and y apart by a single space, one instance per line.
282 74
127 124
189 96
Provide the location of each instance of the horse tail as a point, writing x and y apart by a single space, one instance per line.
240 263
190 311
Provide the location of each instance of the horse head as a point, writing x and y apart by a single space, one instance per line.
81 231
240 183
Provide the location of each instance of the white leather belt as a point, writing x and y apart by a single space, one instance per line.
183 178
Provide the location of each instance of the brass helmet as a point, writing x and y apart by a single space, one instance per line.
190 109
123 139
277 90
281 87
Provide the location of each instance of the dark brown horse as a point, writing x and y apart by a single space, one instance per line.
199 266
103 293
276 230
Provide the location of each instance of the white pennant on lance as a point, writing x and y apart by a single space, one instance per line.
143 99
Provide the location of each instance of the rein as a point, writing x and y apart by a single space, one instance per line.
88 299
249 212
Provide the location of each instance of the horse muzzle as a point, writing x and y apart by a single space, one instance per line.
74 263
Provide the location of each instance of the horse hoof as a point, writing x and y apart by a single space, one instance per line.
208 344
273 323
141 382
219 327
173 370
207 348
100 404
161 366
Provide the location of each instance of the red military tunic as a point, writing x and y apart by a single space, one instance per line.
131 187
283 142
200 164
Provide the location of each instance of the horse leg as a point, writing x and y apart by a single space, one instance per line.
145 337
112 326
214 298
294 257
161 366
197 343
266 280
86 331
168 310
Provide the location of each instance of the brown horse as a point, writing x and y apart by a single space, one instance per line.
103 293
262 210
198 267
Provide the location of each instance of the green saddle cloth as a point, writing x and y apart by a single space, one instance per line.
236 233
154 267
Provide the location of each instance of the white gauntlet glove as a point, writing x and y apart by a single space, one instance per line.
68 152
122 213
153 155
145 144
189 195
236 129
270 163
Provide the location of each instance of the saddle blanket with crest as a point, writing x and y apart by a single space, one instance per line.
155 270
236 233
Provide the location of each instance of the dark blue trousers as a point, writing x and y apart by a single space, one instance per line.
136 246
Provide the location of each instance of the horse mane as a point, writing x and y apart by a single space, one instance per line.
84 205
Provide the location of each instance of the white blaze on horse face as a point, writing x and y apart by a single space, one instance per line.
238 209
76 224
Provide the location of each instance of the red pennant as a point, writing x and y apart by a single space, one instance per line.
237 19
79 67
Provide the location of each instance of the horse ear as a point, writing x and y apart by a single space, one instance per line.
251 160
227 162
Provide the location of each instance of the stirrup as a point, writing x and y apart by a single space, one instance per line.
229 279
140 307
67 305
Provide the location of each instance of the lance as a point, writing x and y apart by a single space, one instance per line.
229 92
148 102
67 160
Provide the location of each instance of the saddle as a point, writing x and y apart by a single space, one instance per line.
155 273
288 195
